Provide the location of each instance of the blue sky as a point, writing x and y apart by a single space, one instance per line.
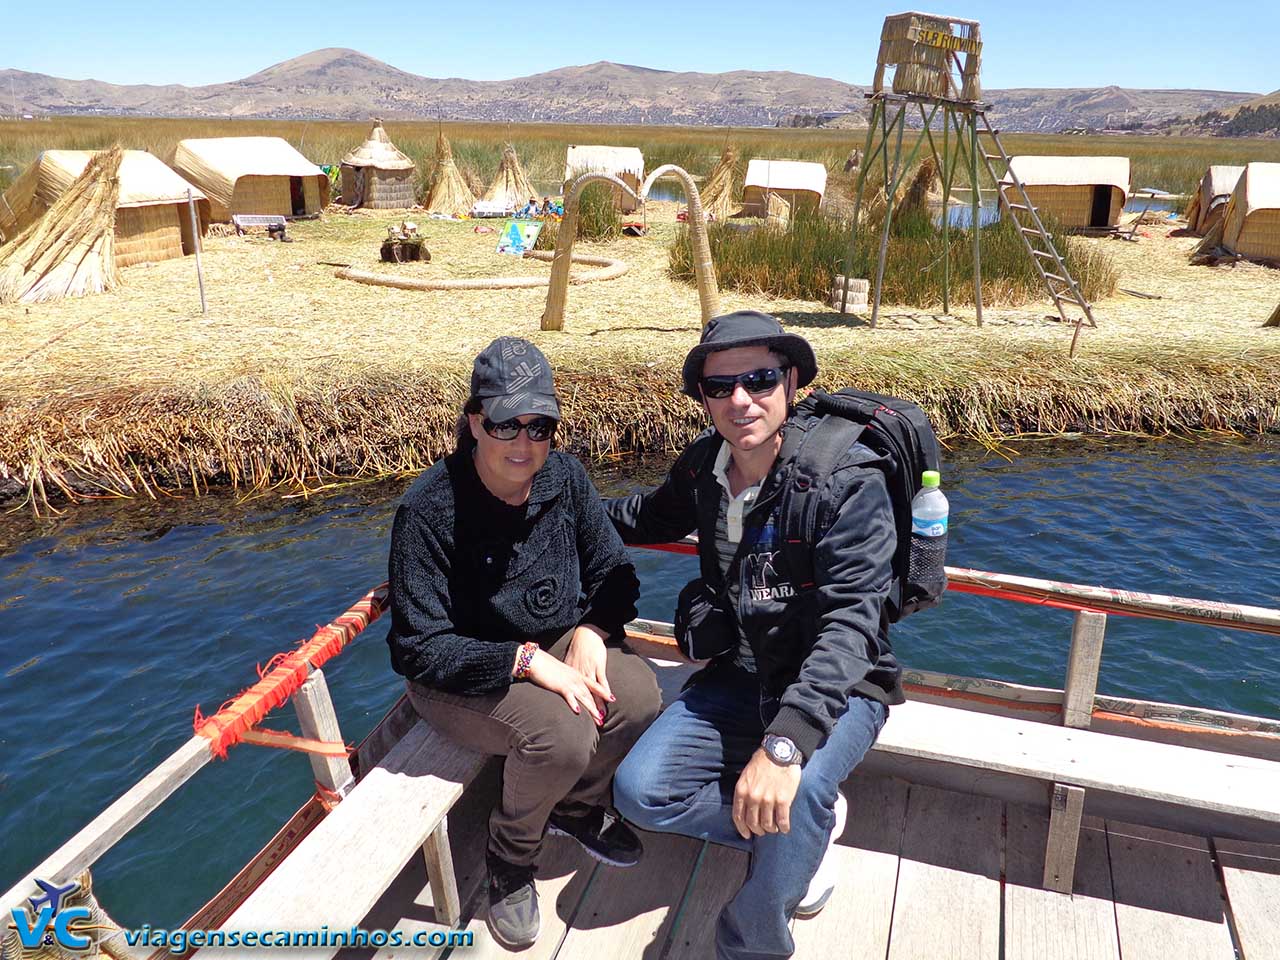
1064 43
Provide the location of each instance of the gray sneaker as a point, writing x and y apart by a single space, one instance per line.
513 917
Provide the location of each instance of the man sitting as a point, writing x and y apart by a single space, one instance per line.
801 675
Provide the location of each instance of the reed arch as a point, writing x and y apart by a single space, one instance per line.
704 269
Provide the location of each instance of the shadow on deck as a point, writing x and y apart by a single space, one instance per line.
925 873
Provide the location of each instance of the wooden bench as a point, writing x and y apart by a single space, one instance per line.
1074 760
334 877
243 221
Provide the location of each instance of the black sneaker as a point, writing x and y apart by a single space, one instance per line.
513 917
602 834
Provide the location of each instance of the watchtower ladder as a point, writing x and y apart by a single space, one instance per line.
1063 288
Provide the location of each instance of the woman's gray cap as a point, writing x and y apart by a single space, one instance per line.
748 328
512 378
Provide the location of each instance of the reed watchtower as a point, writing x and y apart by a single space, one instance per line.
931 64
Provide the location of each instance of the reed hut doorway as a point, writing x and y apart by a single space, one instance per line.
297 198
1100 214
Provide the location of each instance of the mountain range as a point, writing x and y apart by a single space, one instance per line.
346 84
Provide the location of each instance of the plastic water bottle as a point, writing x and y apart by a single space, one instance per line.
929 511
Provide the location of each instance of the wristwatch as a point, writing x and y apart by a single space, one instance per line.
782 750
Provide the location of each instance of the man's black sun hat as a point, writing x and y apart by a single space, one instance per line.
512 378
748 328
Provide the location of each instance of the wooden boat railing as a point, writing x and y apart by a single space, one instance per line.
318 719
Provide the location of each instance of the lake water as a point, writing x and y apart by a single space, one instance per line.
117 619
961 215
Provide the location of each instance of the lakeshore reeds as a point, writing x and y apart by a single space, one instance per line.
598 218
801 261
259 431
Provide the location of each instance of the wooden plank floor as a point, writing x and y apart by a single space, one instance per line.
928 874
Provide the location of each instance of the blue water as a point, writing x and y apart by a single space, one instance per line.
961 215
117 619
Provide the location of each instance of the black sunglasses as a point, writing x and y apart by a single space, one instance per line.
539 429
755 382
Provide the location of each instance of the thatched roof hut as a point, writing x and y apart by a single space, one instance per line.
1210 199
152 221
1251 221
717 190
511 186
449 194
70 251
1079 193
377 175
252 175
625 163
800 183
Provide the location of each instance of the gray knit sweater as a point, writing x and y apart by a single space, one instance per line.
473 577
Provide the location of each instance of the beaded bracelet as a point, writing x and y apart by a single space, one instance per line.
524 660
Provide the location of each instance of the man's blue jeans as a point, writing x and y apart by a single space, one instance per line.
680 778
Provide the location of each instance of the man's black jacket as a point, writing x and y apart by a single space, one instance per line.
815 644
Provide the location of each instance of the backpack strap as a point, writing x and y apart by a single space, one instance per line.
822 447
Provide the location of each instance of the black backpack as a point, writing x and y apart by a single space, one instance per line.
898 430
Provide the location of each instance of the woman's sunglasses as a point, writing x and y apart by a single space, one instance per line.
755 382
539 429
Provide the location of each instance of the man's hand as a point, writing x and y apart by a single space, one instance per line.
762 798
588 656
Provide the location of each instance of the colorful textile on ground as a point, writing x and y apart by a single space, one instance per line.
518 237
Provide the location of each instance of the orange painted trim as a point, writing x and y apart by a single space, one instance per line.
1173 725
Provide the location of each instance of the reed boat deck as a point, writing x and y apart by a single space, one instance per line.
925 873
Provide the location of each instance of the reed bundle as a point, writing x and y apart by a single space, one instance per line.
511 184
717 189
1209 250
70 251
924 187
450 193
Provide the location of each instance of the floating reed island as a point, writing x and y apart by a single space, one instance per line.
298 378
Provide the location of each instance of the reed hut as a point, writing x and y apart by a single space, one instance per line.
511 187
717 189
70 250
152 220
1209 202
801 184
252 175
625 163
449 194
1251 220
377 175
1078 193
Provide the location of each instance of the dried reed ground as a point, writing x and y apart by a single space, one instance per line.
296 375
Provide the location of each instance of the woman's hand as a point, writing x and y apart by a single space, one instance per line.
578 691
588 656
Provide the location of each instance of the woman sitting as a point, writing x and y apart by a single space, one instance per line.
509 592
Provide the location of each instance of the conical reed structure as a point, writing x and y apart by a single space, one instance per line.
717 189
511 185
1275 319
923 189
449 194
70 251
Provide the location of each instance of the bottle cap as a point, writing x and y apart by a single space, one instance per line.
930 478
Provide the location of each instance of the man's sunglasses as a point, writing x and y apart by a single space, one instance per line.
539 429
755 382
